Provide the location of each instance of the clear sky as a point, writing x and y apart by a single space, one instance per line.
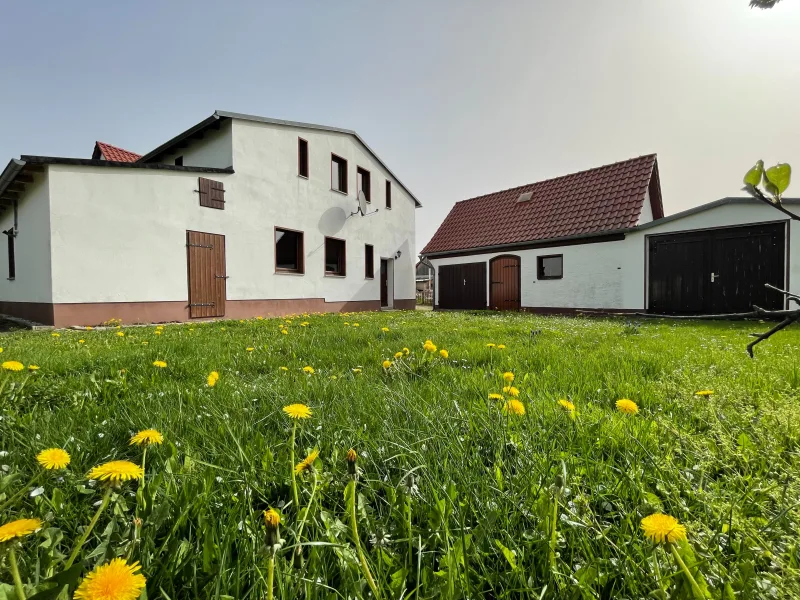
459 97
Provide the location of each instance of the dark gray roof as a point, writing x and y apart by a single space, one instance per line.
214 119
90 162
704 207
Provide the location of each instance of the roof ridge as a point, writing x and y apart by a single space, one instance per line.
516 187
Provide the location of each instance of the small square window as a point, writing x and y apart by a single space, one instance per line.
179 161
550 266
335 260
388 194
338 174
289 251
302 158
363 183
369 262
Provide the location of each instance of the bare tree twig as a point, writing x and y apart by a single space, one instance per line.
759 195
763 336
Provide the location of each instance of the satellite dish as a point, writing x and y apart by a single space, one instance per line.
362 202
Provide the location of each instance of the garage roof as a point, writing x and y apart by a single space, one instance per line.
601 200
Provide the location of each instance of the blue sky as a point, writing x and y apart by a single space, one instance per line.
459 97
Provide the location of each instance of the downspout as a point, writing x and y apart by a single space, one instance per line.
424 260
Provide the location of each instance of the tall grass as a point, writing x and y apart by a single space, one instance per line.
454 498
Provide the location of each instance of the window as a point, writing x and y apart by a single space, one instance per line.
335 262
212 193
302 158
388 194
363 183
289 251
338 174
369 262
12 261
179 161
551 266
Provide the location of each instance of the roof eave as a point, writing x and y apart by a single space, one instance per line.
10 173
202 125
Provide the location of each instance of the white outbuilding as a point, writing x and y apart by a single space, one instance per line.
239 216
598 240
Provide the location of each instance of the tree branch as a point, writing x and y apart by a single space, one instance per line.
759 195
760 337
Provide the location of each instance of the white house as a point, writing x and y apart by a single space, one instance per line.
599 240
236 217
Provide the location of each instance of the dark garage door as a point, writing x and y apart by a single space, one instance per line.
462 286
716 271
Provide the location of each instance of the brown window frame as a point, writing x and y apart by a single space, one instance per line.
540 267
365 176
301 251
369 261
341 165
302 158
342 261
388 194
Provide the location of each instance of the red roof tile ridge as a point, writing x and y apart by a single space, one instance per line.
119 153
525 185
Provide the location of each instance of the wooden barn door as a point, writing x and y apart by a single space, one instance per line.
207 274
462 286
504 276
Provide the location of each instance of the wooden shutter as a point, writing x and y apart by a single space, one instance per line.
207 274
212 193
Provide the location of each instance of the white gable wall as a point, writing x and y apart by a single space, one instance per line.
31 247
215 149
647 210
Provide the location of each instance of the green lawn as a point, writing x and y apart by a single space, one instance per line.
455 497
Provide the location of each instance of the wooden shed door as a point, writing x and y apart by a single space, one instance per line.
207 274
717 271
504 293
463 286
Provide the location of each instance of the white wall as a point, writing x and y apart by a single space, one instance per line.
32 246
647 210
119 234
215 149
612 274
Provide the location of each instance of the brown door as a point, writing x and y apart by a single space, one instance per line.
462 286
384 282
505 278
207 274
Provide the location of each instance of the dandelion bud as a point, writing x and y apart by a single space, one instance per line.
559 481
272 521
352 457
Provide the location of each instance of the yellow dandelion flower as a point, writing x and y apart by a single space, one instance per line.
115 580
250 349
116 471
120 334
508 376
398 355
307 462
514 407
566 405
444 353
704 393
1 349
304 324
159 332
356 325
663 529
56 335
147 437
346 324
88 328
81 341
387 364
501 346
511 391
490 345
33 368
385 329
628 407
272 518
145 343
13 365
495 396
297 411
284 332
212 378
53 458
19 528
259 318
352 456
406 351
309 370
160 364
356 371
284 368
429 346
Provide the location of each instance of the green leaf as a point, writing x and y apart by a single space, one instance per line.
511 557
754 175
778 177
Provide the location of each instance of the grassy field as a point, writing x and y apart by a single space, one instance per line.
456 495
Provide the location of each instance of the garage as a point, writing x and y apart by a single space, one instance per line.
717 271
462 286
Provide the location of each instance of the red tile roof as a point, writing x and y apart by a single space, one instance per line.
110 152
603 199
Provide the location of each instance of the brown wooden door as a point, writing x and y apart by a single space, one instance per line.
462 286
504 274
207 274
384 282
